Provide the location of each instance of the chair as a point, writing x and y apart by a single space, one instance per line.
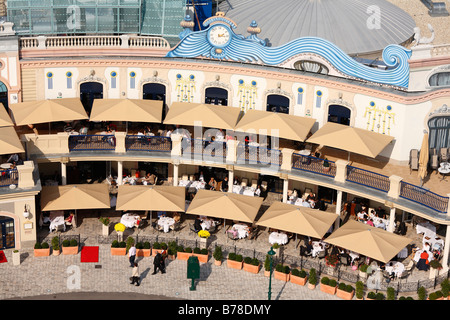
343 260
244 182
176 226
253 233
414 159
231 235
434 162
322 254
304 253
184 177
443 152
254 184
264 185
60 228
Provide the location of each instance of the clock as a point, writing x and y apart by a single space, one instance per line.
219 36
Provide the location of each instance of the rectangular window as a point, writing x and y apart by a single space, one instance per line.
50 83
113 83
132 83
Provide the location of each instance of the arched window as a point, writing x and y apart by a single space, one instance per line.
439 136
155 91
310 66
277 103
339 114
4 95
439 79
88 92
216 96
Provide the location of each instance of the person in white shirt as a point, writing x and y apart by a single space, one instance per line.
132 255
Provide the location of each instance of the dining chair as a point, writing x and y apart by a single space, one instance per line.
444 154
244 182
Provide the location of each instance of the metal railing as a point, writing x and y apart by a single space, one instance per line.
207 149
260 155
313 164
424 197
148 143
92 142
368 178
8 177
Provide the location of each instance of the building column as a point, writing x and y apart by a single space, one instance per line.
119 172
392 220
63 173
285 188
175 174
446 250
338 208
230 179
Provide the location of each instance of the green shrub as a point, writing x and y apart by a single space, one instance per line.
204 251
435 295
445 287
363 267
73 243
45 245
129 243
115 244
232 256
255 262
37 245
390 293
197 250
267 263
139 245
188 250
302 274
372 295
348 288
180 248
359 290
239 258
146 245
298 273
247 260
379 296
325 280
422 293
66 243
283 269
342 286
312 276
218 254
163 246
333 283
156 245
122 244
171 251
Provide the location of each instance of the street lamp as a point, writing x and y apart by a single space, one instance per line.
271 253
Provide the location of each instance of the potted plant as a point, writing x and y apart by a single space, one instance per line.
267 266
235 261
422 293
158 247
41 249
345 291
371 296
143 249
70 247
277 248
363 270
437 295
359 290
298 276
204 235
445 288
202 254
328 285
331 260
435 266
326 165
183 253
218 255
118 248
282 272
251 265
120 228
312 279
16 257
390 293
105 225
55 246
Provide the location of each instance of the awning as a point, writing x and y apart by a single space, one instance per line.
155 198
75 197
423 158
205 115
43 111
354 140
9 141
277 124
5 119
297 219
372 242
133 110
225 205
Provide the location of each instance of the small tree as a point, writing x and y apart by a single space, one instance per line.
422 293
218 254
312 276
359 291
445 288
390 293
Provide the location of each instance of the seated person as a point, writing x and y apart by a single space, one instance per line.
258 191
212 184
423 263
69 219
68 127
197 224
176 217
309 247
370 222
225 184
149 179
361 216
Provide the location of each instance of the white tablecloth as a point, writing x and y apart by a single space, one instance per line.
403 253
426 228
304 152
380 223
247 191
5 165
278 237
57 221
242 230
165 223
192 184
317 247
129 220
395 267
353 255
419 252
433 241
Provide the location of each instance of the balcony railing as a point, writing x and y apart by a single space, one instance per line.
368 178
261 155
8 177
92 142
313 164
148 143
424 197
199 148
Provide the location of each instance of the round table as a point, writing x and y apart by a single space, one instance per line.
395 267
318 246
129 220
165 223
5 165
278 237
444 169
242 230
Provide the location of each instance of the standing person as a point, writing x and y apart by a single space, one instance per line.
132 255
135 277
158 263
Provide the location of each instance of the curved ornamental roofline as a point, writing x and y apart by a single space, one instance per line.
209 43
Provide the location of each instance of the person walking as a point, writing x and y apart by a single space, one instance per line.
135 277
158 263
132 255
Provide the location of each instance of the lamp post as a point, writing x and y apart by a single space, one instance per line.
271 253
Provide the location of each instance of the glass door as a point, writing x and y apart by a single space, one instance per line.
6 233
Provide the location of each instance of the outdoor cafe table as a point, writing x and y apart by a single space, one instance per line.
278 237
242 230
395 267
129 220
426 228
5 165
56 219
318 246
433 241
165 223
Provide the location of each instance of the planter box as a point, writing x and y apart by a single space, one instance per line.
143 252
328 289
281 276
16 258
217 262
251 268
344 294
298 280
118 251
70 250
234 264
311 286
42 252
183 255
105 230
155 251
56 252
202 258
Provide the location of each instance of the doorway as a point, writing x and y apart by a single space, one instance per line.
88 92
155 91
7 232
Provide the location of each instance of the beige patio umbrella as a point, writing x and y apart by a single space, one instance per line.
76 196
372 242
360 141
297 219
206 115
52 110
423 158
277 124
225 205
9 141
134 110
5 119
154 198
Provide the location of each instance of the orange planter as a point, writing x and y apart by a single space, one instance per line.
183 255
70 250
251 268
234 264
344 294
202 258
155 251
298 280
42 252
118 251
281 276
328 289
143 252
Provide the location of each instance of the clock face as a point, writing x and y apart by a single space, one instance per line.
219 36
